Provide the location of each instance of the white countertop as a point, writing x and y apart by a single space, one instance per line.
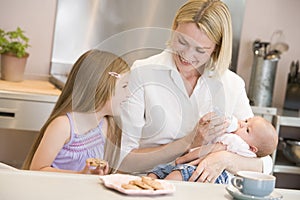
17 185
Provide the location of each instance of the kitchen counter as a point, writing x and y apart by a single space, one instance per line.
34 90
35 185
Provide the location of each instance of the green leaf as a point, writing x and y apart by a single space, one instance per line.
14 42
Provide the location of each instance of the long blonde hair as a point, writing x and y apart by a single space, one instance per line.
88 88
212 17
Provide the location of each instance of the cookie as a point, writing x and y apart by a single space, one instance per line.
95 162
130 187
141 184
145 183
152 183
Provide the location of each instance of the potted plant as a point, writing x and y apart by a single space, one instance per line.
13 50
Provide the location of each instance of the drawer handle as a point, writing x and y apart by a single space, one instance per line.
6 114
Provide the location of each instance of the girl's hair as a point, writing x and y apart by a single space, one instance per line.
212 17
88 88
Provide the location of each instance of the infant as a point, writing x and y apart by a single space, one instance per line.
253 137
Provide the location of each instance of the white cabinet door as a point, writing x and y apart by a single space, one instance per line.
24 115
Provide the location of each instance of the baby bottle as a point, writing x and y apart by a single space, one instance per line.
233 124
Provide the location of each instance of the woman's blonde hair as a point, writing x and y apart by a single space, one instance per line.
88 88
212 17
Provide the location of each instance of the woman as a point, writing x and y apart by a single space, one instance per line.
171 91
81 125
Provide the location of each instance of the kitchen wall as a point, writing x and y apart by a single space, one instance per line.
37 19
262 18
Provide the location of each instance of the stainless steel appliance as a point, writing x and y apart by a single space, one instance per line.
263 74
292 94
291 150
85 24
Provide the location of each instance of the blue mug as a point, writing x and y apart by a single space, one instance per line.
254 183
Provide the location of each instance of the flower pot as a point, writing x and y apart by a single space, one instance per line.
12 67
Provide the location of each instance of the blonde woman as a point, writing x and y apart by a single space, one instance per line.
81 125
172 90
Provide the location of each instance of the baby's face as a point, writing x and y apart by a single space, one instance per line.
249 129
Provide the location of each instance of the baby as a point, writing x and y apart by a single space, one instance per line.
253 137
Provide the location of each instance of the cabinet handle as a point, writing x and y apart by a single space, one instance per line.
6 114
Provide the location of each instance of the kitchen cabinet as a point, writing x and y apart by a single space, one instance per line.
24 108
287 172
282 165
26 105
287 124
24 115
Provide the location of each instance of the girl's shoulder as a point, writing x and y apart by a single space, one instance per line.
60 127
62 120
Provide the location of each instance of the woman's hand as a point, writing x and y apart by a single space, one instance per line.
199 153
210 167
208 128
208 170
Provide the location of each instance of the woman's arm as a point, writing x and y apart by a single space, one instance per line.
237 162
144 159
200 153
213 164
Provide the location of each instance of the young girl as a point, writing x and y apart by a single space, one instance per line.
81 125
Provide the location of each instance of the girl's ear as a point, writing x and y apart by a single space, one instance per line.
253 149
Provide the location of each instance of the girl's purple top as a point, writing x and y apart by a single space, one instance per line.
80 147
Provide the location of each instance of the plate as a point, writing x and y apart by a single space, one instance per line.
115 181
238 195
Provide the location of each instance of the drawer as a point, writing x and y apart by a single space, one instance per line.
24 115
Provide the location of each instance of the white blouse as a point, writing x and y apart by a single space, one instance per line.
159 109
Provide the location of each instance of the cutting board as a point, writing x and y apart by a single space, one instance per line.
30 86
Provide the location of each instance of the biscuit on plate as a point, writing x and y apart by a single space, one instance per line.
130 187
152 182
141 184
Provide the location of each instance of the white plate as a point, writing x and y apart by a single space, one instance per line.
115 181
238 195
